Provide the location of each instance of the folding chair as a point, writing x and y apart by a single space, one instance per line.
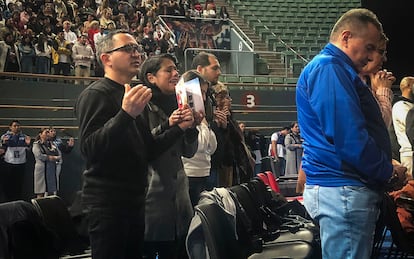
56 217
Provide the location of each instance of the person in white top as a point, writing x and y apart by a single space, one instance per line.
399 114
69 35
197 168
277 149
82 55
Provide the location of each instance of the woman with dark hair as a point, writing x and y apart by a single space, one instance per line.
168 209
197 168
46 155
294 150
224 14
43 55
232 159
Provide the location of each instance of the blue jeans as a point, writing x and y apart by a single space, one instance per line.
347 216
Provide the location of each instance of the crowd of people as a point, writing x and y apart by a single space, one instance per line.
148 159
59 36
176 152
47 149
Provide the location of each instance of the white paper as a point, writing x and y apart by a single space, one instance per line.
190 93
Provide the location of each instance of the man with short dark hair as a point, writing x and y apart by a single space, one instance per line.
117 145
14 144
277 149
208 65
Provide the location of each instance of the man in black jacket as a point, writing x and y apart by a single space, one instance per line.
117 146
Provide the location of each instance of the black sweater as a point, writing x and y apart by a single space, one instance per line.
116 147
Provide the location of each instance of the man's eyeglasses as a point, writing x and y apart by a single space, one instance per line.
130 48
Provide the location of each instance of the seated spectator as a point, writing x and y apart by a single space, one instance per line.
209 11
106 17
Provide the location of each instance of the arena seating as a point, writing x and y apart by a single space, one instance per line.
299 28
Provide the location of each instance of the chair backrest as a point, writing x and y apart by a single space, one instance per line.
219 232
263 177
264 225
272 181
250 208
56 217
23 234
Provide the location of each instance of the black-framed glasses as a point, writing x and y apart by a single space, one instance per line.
130 48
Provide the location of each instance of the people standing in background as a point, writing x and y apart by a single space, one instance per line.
277 149
43 55
208 65
197 168
380 81
399 114
82 56
117 146
9 54
294 150
61 55
69 35
47 156
236 165
165 43
167 190
347 152
14 144
64 148
257 145
27 54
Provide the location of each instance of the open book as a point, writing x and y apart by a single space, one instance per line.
190 93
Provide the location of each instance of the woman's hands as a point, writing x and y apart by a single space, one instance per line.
185 117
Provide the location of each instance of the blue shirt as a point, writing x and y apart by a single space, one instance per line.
346 141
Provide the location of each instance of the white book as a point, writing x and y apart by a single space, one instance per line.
190 93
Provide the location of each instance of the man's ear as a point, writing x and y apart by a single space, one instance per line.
346 35
199 68
105 58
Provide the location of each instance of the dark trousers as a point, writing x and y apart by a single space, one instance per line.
11 181
116 233
62 68
165 249
196 186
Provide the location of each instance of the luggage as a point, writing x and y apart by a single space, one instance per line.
287 186
268 164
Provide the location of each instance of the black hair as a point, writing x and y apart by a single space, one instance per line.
191 74
14 121
152 65
201 59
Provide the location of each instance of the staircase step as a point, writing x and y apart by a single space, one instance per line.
275 63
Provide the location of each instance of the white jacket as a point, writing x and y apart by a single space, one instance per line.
199 165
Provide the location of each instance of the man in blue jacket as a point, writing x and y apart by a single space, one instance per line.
347 153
